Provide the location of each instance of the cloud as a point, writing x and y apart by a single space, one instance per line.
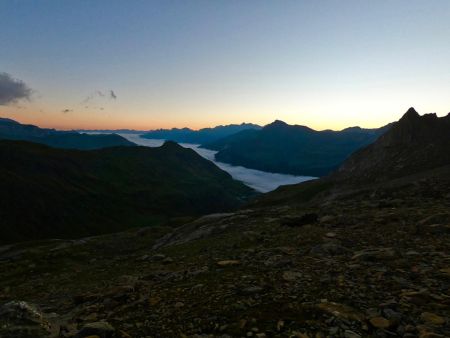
65 111
259 180
12 90
110 94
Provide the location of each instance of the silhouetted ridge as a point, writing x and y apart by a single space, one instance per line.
6 120
413 144
12 130
292 149
205 135
171 145
276 124
411 113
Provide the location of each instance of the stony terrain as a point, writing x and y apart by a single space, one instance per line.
373 263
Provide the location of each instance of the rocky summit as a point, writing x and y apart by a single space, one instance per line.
329 258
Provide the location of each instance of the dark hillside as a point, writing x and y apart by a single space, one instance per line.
48 192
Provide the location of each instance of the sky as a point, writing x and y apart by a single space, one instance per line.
159 64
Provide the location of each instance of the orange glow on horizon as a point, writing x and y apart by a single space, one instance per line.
319 119
65 122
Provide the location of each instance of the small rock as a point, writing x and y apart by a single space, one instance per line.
380 322
427 334
435 219
229 262
375 254
416 297
291 276
277 261
326 219
351 334
296 221
251 290
167 260
445 271
158 257
331 248
100 329
340 311
432 318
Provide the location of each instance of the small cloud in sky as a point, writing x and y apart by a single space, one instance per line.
13 90
110 94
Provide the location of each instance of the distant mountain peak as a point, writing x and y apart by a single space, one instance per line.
277 123
170 143
410 114
6 120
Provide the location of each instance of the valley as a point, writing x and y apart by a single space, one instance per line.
225 169
259 180
341 256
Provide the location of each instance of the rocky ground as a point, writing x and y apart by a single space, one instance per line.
372 264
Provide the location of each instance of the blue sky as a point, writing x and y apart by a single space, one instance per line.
326 64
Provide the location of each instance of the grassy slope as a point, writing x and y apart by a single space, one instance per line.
69 193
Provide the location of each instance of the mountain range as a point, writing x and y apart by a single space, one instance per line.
292 149
49 192
205 135
363 252
413 148
12 130
72 193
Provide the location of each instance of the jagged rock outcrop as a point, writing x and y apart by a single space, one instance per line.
415 143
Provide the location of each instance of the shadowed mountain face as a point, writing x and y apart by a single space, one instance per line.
12 130
298 150
414 148
47 192
205 135
415 143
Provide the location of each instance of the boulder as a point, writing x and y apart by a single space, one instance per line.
19 319
100 329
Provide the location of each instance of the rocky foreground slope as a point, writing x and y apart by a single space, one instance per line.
325 260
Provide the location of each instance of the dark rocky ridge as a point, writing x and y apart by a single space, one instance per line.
413 144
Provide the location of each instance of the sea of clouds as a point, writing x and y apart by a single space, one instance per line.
259 180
